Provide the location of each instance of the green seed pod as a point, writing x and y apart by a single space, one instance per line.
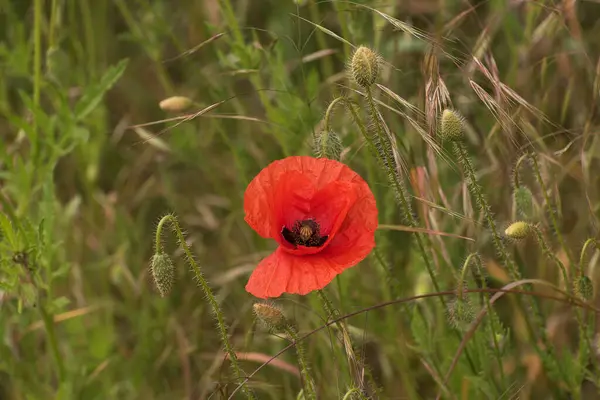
523 202
584 288
452 126
175 104
518 230
365 66
163 273
328 145
271 316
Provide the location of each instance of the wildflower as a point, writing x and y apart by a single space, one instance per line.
322 214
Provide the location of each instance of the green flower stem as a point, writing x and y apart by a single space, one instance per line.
51 336
588 243
550 254
353 363
477 192
493 329
38 11
387 162
553 220
172 220
308 384
330 111
516 180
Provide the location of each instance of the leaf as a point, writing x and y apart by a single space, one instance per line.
8 232
94 94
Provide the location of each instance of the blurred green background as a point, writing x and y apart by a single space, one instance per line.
89 162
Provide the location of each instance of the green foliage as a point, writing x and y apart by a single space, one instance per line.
89 160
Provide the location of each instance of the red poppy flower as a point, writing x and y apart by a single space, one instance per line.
322 214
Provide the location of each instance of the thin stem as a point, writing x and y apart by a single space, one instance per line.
590 241
559 236
37 69
566 299
309 388
493 329
333 313
330 111
388 163
516 180
477 192
550 254
51 336
172 220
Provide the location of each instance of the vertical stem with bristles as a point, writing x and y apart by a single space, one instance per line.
492 318
353 363
550 254
551 211
387 162
308 384
38 11
222 328
477 192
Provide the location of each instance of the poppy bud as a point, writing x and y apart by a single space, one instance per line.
452 126
460 313
163 273
584 288
365 66
175 103
328 145
518 230
523 199
271 316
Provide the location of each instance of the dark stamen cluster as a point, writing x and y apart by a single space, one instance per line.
304 233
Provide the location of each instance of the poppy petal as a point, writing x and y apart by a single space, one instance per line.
273 194
282 272
355 239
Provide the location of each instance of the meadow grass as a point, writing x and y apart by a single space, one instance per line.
129 131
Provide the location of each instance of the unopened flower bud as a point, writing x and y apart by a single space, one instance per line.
328 145
452 126
460 313
584 288
523 202
175 103
365 66
518 230
271 316
163 273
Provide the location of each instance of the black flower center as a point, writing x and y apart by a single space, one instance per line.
304 233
